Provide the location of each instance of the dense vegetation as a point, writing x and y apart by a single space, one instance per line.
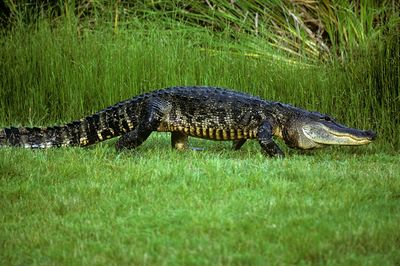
63 60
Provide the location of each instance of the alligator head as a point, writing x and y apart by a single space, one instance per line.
308 130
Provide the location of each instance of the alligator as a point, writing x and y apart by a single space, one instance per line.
202 112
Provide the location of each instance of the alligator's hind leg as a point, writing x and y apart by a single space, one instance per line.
237 144
179 141
264 136
150 118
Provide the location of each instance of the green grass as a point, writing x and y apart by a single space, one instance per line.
155 205
159 206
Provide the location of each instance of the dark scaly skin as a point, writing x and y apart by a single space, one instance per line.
203 112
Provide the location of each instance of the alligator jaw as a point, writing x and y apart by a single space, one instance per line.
336 134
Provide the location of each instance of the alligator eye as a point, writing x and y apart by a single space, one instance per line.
326 118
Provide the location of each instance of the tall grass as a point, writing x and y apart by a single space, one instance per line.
55 70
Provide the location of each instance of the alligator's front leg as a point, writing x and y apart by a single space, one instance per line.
150 118
264 136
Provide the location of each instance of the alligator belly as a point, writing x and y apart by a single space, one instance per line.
210 133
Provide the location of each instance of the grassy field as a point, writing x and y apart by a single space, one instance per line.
159 206
155 205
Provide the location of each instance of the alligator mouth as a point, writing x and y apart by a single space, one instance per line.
336 134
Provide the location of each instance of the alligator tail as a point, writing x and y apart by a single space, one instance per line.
108 123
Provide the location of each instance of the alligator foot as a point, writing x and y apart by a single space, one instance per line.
179 141
237 144
269 147
132 139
